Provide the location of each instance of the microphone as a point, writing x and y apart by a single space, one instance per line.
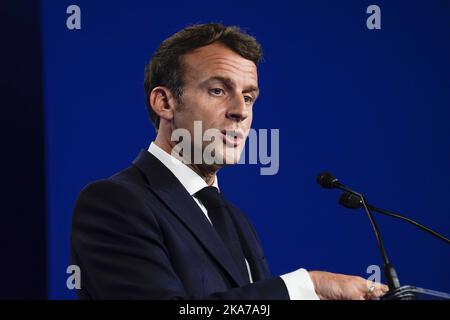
351 201
328 181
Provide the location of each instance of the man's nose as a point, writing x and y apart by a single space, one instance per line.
238 110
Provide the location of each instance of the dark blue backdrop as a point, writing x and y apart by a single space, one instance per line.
373 107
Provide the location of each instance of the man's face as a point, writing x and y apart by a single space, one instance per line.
219 89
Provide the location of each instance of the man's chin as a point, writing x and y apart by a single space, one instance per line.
231 156
221 161
223 156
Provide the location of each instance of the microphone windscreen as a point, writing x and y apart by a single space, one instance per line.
326 180
350 201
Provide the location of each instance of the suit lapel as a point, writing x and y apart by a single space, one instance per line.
258 267
172 193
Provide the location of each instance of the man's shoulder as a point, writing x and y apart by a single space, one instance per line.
121 201
117 205
126 184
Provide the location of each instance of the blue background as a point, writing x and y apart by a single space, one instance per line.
371 106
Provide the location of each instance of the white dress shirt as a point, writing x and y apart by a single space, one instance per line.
298 283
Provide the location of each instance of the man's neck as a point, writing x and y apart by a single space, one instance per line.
206 172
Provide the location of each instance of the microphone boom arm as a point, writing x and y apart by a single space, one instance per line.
352 201
389 270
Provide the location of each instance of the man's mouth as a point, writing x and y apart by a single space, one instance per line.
232 138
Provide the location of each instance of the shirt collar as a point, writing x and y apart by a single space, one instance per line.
190 180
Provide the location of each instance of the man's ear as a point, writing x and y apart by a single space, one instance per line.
162 102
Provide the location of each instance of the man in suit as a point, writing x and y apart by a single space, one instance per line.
161 228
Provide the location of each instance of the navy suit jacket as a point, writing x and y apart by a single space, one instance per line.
140 235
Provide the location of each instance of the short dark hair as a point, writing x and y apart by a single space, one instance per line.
165 69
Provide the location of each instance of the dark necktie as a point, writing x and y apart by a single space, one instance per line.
219 215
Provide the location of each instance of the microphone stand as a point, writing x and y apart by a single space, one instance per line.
396 292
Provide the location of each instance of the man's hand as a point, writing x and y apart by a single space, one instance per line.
333 286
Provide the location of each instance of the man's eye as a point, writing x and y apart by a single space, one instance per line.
248 99
217 92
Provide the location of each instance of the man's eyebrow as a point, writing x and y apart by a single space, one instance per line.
230 84
253 89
